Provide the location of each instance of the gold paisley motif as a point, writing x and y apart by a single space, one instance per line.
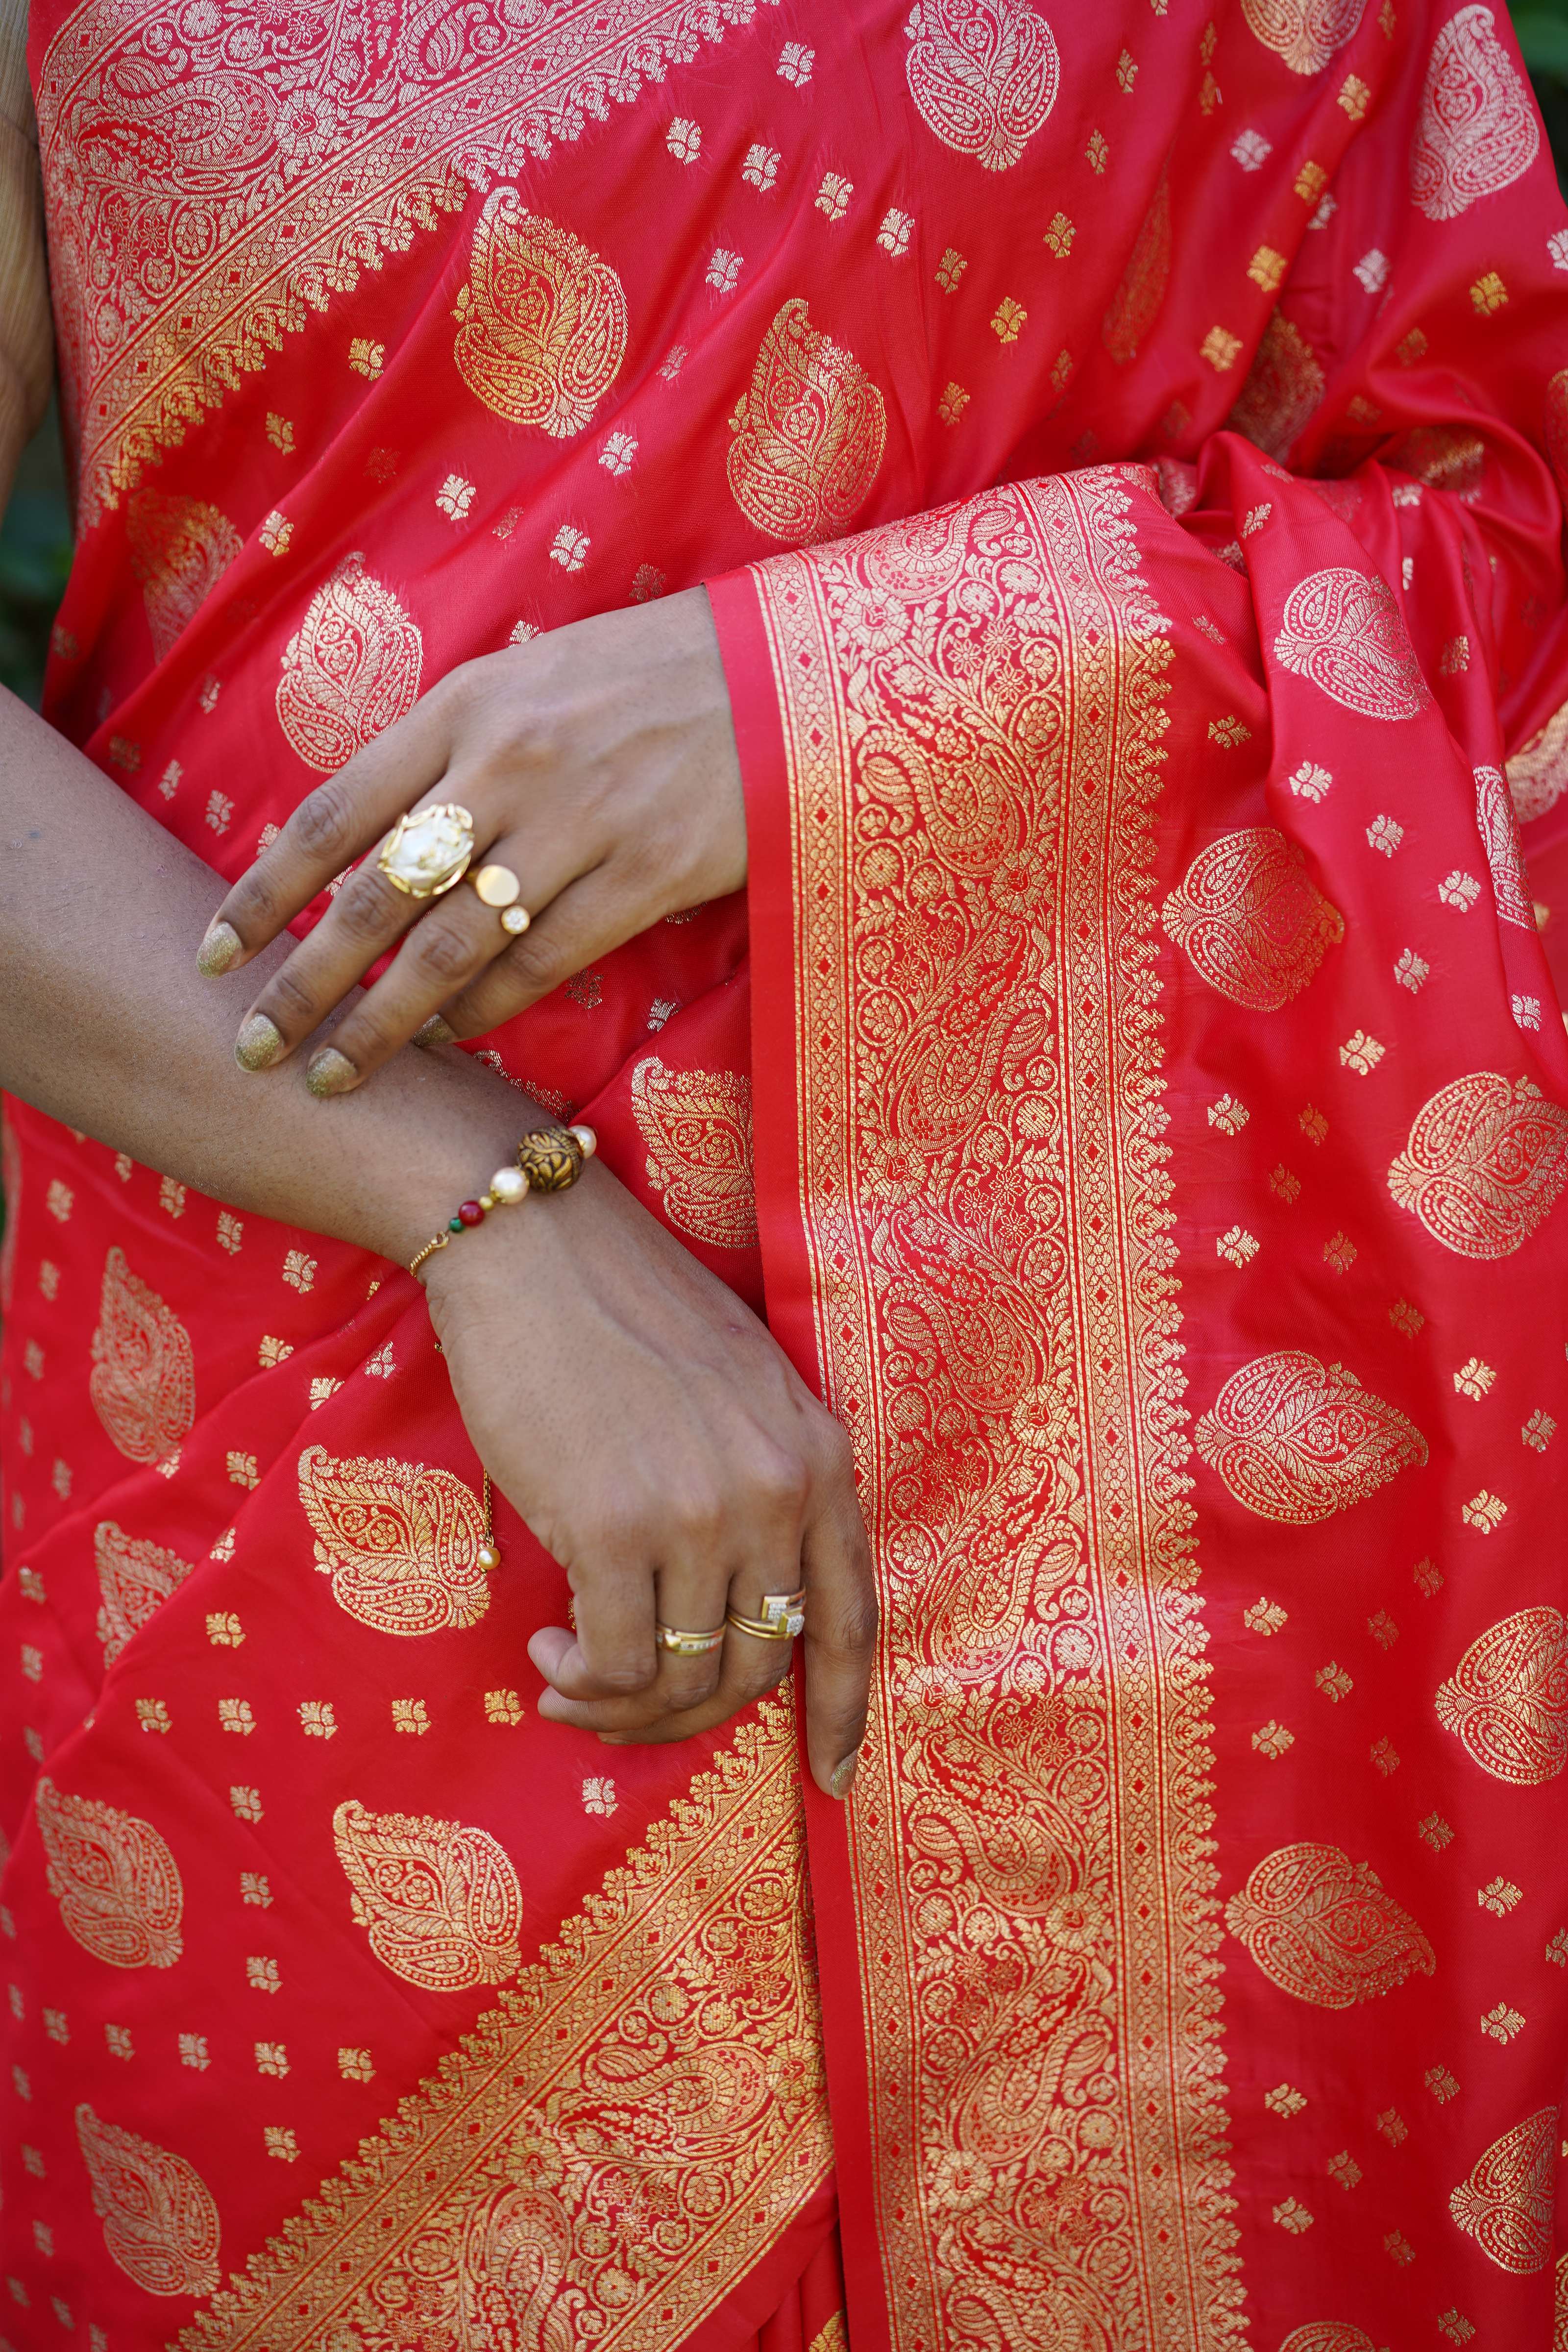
1506 2202
441 1902
1537 772
1328 2336
143 1384
1303 33
1557 426
159 2223
1560 2310
1295 1442
1283 390
619 2139
135 1577
180 549
807 435
985 75
1505 858
351 670
1321 1927
543 320
1507 1699
696 1125
1251 917
114 1878
1444 458
1477 131
1342 629
1135 305
1486 1159
834 2337
401 1542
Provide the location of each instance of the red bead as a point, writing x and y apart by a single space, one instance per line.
471 1212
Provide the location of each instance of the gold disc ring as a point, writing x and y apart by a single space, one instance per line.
498 886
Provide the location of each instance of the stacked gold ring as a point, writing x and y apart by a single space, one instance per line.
681 1644
498 887
783 1617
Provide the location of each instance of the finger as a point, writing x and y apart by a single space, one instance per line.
331 828
590 915
613 1656
840 1638
691 1695
367 917
455 937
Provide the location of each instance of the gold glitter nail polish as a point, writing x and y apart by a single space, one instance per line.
434 1032
331 1073
258 1043
843 1778
217 950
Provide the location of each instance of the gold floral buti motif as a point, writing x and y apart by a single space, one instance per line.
1506 2202
143 1382
1478 130
1296 1440
159 2222
985 75
1507 1699
1342 629
135 1577
696 1126
543 320
180 549
1251 918
1303 33
114 1878
1284 388
808 435
441 1902
351 668
400 1541
1486 1160
1321 1927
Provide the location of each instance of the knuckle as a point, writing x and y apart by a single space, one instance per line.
441 948
363 910
322 825
855 1624
780 1484
623 1676
533 963
292 996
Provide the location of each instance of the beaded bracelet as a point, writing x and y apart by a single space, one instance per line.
549 1160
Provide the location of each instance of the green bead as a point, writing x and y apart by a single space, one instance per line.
455 1225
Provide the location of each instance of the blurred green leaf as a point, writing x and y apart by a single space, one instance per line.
35 561
1543 33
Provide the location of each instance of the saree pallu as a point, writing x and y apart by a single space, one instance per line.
1126 458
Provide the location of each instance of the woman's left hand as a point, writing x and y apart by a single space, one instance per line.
598 763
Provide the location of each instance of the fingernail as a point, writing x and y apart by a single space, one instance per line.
331 1073
435 1032
217 950
258 1043
843 1780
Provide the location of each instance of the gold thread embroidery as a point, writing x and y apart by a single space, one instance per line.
143 1382
696 1125
1442 456
1342 630
1477 131
983 74
928 762
833 2337
1284 386
159 2223
1537 772
1506 2202
621 2137
1303 33
241 195
401 1542
114 1878
135 1577
1297 1443
807 434
351 670
1321 1927
1505 858
441 1903
1328 2336
1485 1160
1135 305
1507 1699
180 549
1252 919
543 320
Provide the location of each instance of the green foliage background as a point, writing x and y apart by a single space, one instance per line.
35 538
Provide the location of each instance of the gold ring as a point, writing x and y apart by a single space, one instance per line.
498 886
783 1617
687 1645
428 850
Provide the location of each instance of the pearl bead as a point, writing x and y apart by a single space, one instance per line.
587 1141
509 1184
489 1557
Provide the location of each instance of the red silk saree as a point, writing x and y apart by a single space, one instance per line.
1125 452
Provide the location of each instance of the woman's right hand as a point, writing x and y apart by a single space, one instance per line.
662 1446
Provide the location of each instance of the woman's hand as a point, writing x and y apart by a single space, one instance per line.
598 763
662 1446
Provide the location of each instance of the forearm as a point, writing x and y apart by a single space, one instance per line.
106 1025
